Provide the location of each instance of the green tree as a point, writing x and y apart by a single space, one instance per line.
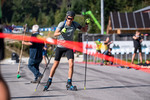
61 14
51 18
51 12
30 21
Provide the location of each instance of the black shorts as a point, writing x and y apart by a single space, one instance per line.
137 48
59 52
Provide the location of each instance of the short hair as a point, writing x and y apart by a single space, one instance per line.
35 28
137 31
110 49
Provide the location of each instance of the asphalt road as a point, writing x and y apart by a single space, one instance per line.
103 83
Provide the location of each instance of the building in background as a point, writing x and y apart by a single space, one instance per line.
121 23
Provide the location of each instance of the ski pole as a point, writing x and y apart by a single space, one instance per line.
46 66
87 22
85 61
20 57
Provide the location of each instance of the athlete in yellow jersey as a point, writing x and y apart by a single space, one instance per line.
98 47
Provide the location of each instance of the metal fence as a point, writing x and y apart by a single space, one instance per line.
117 53
113 37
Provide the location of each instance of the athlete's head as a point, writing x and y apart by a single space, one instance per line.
70 15
137 33
99 40
110 49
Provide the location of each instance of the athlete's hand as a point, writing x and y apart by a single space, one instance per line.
63 31
23 42
87 21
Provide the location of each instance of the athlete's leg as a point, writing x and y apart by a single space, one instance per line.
52 71
140 54
69 85
133 56
71 65
58 55
70 56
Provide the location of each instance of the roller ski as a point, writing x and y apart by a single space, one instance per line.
47 84
69 86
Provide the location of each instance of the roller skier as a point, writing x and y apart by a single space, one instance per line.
65 31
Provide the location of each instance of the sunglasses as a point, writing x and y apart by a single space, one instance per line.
70 18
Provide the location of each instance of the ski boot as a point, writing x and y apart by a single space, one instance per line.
69 86
47 84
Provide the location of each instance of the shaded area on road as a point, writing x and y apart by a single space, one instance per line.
37 96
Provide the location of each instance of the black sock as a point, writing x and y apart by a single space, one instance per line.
69 81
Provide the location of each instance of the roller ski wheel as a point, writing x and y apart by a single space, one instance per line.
71 87
47 85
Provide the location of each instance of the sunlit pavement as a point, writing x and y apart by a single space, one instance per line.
102 83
